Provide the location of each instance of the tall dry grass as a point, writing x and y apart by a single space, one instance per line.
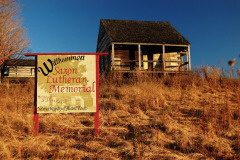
194 116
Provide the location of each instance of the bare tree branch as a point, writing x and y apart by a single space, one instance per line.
13 39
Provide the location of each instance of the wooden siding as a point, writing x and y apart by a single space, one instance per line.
121 58
103 45
124 61
21 71
174 58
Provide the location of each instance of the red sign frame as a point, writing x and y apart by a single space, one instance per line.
36 115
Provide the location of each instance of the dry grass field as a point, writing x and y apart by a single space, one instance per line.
176 117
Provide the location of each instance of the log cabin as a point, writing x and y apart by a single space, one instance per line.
18 68
146 46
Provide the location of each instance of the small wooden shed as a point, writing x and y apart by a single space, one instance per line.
21 68
147 46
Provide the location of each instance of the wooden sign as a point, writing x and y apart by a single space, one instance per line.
66 83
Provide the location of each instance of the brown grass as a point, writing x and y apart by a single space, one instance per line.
144 117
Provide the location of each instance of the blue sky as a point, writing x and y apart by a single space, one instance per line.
211 26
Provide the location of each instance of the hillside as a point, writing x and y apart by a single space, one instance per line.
176 117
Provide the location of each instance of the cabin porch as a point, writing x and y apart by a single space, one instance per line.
160 58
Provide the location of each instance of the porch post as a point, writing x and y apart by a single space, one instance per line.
163 57
139 57
189 58
112 56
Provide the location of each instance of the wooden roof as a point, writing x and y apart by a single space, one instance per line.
142 32
19 62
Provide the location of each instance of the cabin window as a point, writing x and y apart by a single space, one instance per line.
32 71
157 62
156 58
145 64
5 71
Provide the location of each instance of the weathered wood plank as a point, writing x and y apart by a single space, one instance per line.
189 59
139 57
163 56
112 56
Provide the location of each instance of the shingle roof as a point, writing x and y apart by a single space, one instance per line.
142 32
20 62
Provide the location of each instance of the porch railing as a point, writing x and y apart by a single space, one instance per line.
122 66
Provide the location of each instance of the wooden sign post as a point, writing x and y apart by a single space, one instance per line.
66 83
